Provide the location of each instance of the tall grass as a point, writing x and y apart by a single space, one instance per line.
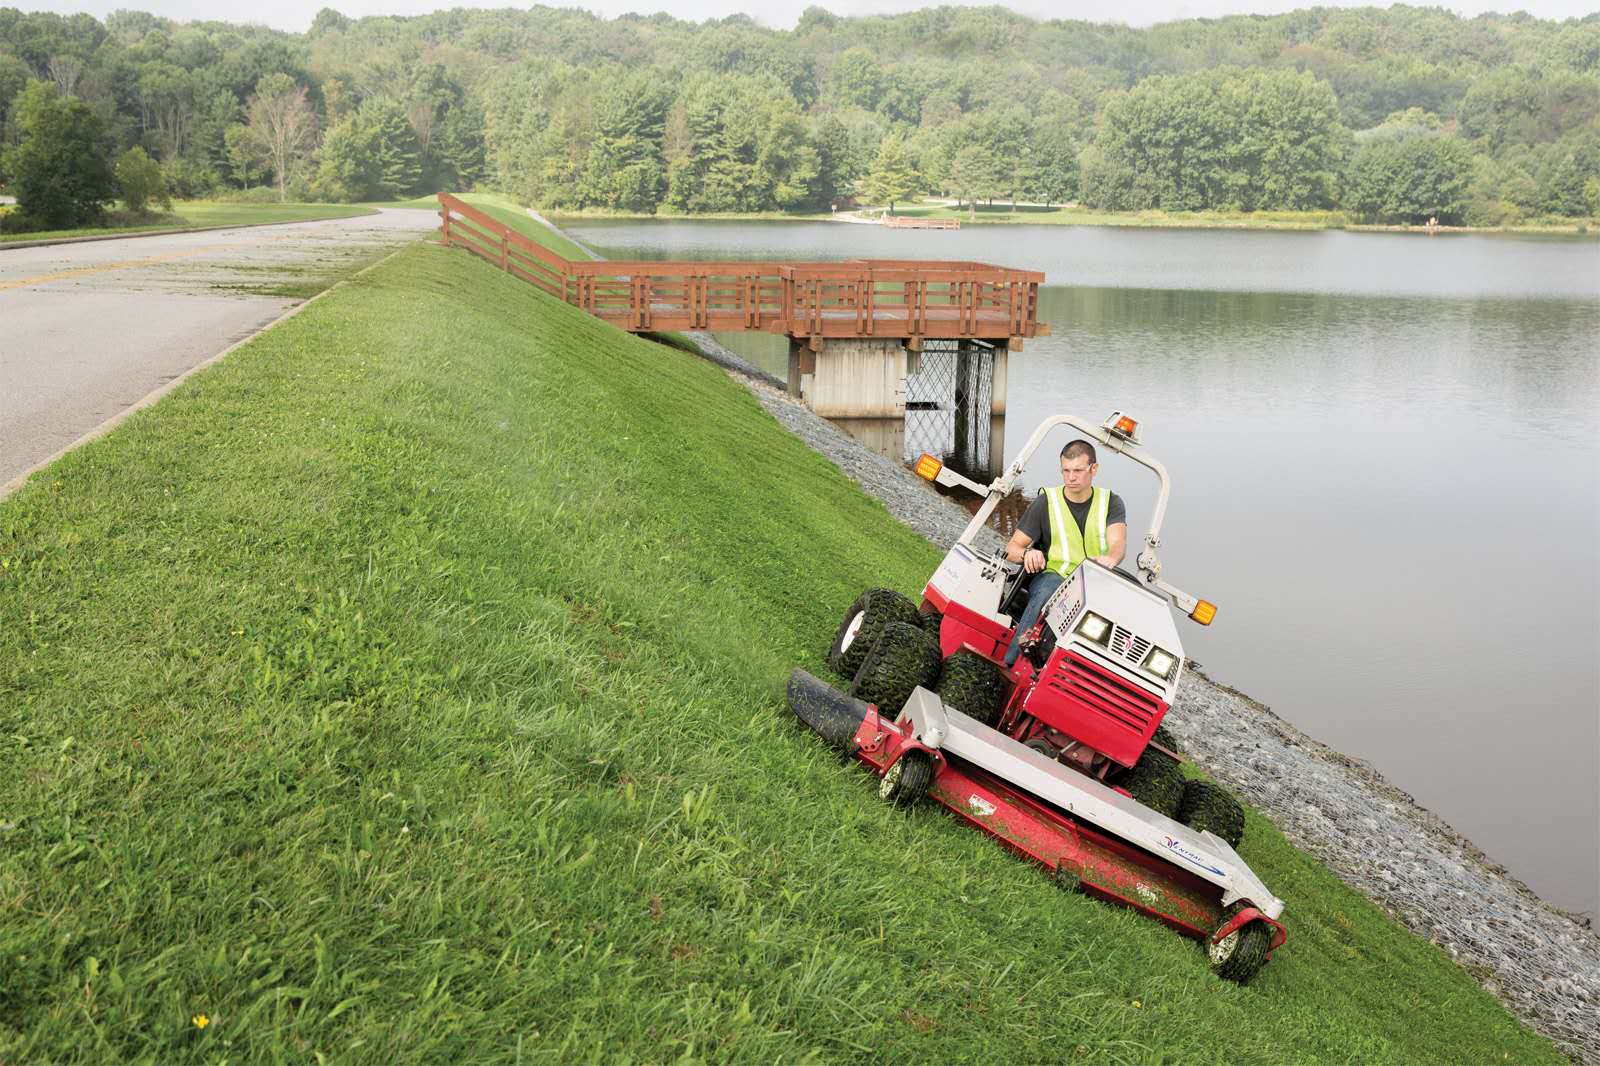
408 687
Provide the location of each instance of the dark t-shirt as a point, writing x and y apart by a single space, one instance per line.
1036 519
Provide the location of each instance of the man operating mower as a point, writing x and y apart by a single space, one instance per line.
1062 527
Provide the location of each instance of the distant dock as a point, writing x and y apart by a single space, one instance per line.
896 222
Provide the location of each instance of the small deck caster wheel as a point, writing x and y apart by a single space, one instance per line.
907 780
1240 955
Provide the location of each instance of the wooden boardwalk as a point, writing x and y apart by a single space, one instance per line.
904 299
899 222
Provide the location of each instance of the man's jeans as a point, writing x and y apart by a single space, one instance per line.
1044 583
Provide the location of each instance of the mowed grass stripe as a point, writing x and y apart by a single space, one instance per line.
408 687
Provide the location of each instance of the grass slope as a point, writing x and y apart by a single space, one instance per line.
516 216
408 687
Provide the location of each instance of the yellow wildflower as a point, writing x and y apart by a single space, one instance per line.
200 1021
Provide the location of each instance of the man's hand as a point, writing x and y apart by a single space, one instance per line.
1107 561
1033 560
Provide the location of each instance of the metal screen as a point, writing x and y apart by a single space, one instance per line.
948 387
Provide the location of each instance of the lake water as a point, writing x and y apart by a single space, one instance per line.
1385 452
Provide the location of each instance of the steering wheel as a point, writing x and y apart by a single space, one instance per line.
1016 577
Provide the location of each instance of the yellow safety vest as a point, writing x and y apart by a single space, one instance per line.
1069 545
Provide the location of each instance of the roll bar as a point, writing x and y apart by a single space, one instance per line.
1147 562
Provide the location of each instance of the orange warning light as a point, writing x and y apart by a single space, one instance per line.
1126 426
928 467
1204 612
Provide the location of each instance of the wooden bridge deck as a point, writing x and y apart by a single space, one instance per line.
889 298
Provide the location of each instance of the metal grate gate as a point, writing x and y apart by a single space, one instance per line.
948 392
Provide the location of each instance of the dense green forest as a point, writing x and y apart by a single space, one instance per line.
1390 115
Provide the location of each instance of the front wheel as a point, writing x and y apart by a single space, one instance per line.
1213 809
907 780
1155 781
973 685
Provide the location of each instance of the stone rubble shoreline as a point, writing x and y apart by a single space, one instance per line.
1540 961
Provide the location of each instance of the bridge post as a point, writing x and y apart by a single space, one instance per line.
802 363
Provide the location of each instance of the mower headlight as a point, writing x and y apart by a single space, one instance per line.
1095 628
1159 663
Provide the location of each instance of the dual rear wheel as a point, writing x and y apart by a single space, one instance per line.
903 658
1157 782
863 625
888 647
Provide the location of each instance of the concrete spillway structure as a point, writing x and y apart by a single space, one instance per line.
902 398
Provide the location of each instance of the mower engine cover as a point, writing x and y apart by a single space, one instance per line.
1140 640
1115 666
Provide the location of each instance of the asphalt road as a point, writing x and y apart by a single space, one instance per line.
87 330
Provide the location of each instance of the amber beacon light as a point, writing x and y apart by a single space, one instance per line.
928 467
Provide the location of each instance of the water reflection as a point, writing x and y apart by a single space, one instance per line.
1385 453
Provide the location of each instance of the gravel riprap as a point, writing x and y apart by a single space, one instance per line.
1537 959
1540 961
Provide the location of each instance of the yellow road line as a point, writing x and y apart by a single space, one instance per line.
126 264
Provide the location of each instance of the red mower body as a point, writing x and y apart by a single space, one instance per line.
1056 756
1089 703
1095 706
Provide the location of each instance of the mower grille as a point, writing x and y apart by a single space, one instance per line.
1119 703
1124 645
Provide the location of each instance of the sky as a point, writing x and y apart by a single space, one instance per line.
296 15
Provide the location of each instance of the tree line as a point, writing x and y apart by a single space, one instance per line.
1391 115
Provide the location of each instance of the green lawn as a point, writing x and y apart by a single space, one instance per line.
193 214
407 687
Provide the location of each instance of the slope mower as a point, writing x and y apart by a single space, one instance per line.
1062 756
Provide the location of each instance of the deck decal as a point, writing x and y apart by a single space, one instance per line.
1176 847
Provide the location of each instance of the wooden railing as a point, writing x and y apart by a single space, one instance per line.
889 298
